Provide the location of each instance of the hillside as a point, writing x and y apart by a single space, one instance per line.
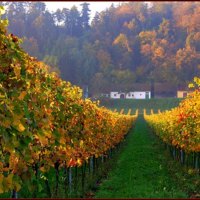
124 45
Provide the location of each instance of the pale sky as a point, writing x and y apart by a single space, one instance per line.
94 6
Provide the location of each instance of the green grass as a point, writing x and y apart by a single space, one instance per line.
141 104
141 170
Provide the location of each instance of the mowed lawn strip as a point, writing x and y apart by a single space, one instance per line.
141 170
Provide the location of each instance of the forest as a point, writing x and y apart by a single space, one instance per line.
121 48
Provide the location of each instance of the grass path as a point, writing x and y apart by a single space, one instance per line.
140 171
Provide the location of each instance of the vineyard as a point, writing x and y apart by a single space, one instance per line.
163 145
45 124
180 127
52 141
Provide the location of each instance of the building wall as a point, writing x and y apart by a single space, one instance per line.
182 94
116 95
139 95
130 95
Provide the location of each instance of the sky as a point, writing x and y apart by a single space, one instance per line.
94 6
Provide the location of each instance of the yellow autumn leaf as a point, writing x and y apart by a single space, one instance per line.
51 104
21 128
17 71
28 84
22 95
79 162
47 133
18 125
81 143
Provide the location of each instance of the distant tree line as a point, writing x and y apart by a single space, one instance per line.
124 45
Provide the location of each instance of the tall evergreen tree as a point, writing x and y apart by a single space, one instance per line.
85 16
74 23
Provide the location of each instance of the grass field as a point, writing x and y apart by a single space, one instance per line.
141 104
141 170
144 168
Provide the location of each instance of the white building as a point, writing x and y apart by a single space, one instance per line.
117 95
131 95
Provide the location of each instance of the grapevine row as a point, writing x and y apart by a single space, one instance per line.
180 127
44 122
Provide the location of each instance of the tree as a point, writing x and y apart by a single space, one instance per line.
74 22
122 41
85 16
159 41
